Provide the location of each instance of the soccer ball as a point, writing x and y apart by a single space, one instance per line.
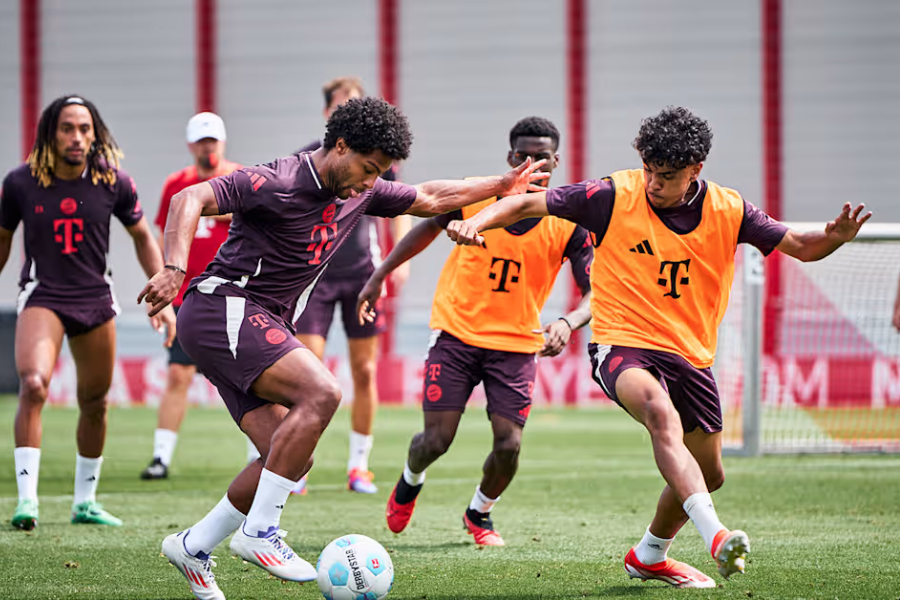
355 567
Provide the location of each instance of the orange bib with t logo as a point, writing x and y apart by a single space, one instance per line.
492 297
656 289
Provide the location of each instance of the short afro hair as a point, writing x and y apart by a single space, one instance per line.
534 127
367 125
675 137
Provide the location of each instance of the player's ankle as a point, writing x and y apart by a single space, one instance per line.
406 493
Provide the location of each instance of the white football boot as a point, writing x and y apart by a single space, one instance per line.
273 555
197 571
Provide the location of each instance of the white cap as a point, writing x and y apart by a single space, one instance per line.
205 125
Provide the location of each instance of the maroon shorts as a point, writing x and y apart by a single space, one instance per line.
78 316
319 311
453 369
693 391
232 340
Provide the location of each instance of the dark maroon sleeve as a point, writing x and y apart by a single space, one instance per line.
760 230
234 192
589 204
444 219
581 253
10 212
128 206
390 198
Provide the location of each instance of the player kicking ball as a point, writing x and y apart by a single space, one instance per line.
664 246
486 322
290 217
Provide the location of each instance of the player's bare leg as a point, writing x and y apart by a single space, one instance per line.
363 356
647 401
172 408
94 355
427 446
302 384
316 345
499 469
39 338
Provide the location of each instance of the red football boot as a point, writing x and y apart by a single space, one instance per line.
674 573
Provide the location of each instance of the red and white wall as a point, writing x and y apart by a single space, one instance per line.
802 95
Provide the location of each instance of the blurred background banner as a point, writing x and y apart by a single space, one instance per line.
802 96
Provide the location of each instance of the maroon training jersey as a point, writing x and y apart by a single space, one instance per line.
361 253
67 231
286 227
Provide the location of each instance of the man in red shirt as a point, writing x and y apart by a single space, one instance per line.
206 142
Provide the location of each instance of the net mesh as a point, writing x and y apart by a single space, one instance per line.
831 376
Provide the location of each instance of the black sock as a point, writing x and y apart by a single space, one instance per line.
406 493
481 519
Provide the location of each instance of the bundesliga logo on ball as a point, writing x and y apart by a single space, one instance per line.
355 567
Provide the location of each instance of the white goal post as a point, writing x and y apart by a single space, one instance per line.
831 379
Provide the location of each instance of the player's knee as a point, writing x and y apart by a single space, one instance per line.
33 388
506 450
364 372
93 403
662 420
180 377
327 399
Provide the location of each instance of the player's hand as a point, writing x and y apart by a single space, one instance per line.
524 178
464 234
161 290
557 334
846 226
368 298
166 320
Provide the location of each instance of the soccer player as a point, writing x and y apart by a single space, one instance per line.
341 283
289 217
664 246
486 322
65 195
206 142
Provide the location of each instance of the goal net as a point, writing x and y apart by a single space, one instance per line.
814 365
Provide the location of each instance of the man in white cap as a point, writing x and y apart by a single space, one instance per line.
206 142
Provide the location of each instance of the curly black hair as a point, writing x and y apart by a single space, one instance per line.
369 124
675 137
534 127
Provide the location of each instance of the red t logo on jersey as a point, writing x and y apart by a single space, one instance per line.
259 320
69 235
434 371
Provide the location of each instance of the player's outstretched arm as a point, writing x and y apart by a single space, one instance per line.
185 210
6 237
411 244
442 196
816 245
499 214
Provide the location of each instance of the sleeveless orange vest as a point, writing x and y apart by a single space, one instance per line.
653 288
492 297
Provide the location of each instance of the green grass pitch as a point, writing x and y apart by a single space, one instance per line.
820 526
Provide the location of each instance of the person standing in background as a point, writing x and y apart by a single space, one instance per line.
206 143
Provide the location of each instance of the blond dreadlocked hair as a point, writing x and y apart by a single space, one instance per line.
103 155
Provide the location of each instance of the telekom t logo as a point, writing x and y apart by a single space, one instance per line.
327 232
434 371
68 232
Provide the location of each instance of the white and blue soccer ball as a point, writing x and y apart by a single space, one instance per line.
355 567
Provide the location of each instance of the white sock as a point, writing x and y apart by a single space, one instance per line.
164 441
28 463
360 448
211 530
87 476
651 549
699 508
252 452
413 478
265 513
482 503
